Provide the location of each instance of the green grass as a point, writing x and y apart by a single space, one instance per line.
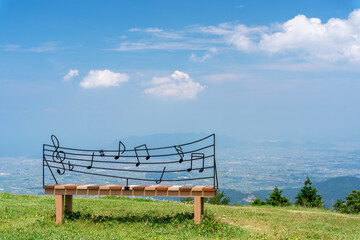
33 217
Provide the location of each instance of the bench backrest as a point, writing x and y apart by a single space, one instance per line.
191 163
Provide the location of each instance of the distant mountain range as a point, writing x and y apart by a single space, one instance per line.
330 190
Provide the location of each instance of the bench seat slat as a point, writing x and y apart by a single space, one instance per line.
94 187
151 188
60 186
163 187
174 188
140 187
105 187
185 188
84 187
209 189
72 186
116 187
197 188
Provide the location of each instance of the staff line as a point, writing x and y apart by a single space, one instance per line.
144 162
126 170
130 178
159 148
132 156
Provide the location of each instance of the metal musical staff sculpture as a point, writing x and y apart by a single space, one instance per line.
191 161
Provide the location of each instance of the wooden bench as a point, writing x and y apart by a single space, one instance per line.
190 162
68 190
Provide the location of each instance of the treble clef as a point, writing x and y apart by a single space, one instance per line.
58 156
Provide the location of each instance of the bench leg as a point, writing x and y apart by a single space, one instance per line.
198 209
68 203
59 208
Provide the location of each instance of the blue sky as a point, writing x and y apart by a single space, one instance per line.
95 71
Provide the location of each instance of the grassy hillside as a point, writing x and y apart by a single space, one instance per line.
330 190
33 217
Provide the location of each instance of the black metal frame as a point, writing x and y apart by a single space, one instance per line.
54 157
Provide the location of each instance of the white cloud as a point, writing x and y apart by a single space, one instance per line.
45 47
159 33
70 75
206 56
301 37
129 46
203 58
147 30
178 85
103 78
337 39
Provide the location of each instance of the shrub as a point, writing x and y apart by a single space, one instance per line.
219 199
352 204
307 196
276 199
257 202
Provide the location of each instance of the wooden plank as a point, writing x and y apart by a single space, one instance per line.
105 187
197 188
93 187
185 188
59 208
50 187
163 187
151 188
60 186
209 194
198 209
116 187
93 190
175 188
140 187
84 187
72 186
209 189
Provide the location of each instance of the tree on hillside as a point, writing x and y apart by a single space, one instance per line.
276 199
352 204
307 196
257 202
219 199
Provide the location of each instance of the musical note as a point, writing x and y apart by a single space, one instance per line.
147 151
203 163
162 174
59 155
189 169
58 170
92 160
101 152
180 152
196 156
122 151
71 167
